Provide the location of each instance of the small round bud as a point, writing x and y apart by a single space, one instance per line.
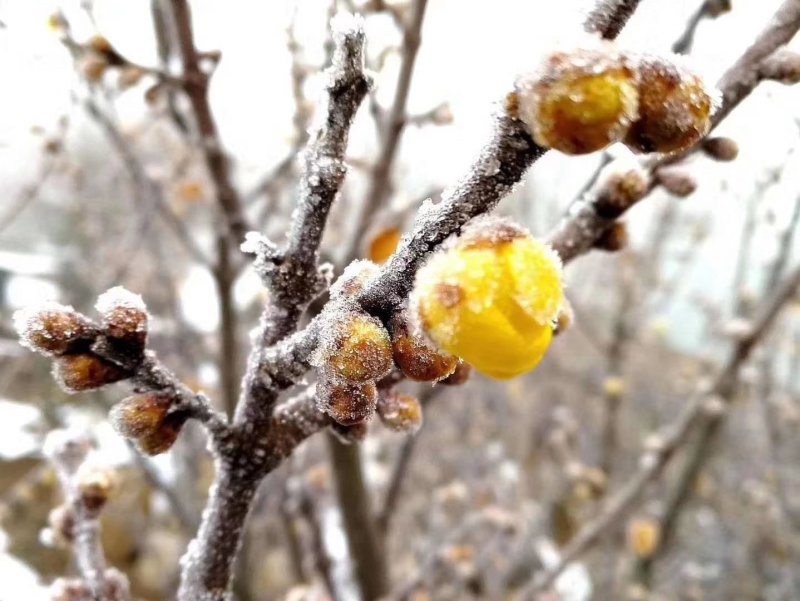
53 329
614 387
675 107
580 100
146 419
357 348
460 374
677 181
76 373
415 357
383 244
565 319
491 298
400 412
124 319
721 149
620 189
354 433
61 522
102 47
354 278
644 536
347 403
614 239
93 68
94 488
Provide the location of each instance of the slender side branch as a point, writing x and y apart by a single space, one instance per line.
195 84
707 408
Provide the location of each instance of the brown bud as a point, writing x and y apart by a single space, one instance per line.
460 374
565 319
615 238
53 329
124 319
153 93
354 433
721 149
674 107
95 488
580 101
415 357
76 373
677 181
355 277
644 536
620 190
358 348
93 68
347 403
400 412
61 521
146 419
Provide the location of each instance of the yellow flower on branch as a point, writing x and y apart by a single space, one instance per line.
491 298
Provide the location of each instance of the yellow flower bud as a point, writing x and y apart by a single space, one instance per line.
491 298
357 349
644 535
580 101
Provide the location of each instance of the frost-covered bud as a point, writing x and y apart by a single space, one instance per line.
614 239
76 373
93 68
620 189
146 419
677 181
644 536
52 329
351 434
356 348
415 357
581 100
94 488
400 412
124 319
721 149
354 278
460 375
675 107
347 403
61 522
491 297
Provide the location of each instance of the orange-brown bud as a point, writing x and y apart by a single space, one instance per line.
400 412
53 329
615 238
95 488
347 403
357 348
675 108
146 419
124 319
102 47
416 358
460 375
93 68
76 373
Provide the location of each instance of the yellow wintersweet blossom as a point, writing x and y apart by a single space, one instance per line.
491 298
